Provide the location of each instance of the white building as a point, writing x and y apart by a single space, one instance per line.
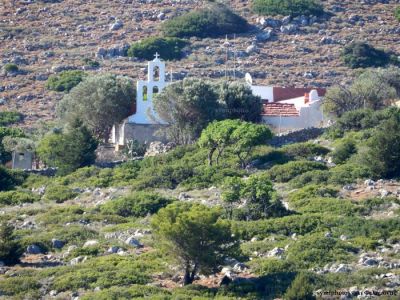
144 124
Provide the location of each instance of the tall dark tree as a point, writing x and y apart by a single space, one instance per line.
239 101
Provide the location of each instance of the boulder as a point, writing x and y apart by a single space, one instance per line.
276 252
117 25
264 36
113 249
34 249
90 243
78 260
289 29
131 241
57 244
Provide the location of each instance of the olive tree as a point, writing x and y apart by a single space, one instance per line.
373 89
187 106
195 236
100 101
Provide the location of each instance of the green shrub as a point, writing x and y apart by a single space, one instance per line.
312 191
343 151
10 178
304 150
169 48
348 173
397 13
288 171
267 266
65 81
10 249
288 7
302 287
59 193
363 55
5 156
310 177
91 63
211 21
9 117
10 68
17 197
138 204
316 251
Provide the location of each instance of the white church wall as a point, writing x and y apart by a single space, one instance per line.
265 92
309 116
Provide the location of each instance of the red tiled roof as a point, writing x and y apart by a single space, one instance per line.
281 93
280 109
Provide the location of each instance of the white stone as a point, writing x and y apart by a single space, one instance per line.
90 243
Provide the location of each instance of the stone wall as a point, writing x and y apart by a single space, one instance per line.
145 132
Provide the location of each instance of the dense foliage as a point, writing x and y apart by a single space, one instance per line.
169 48
195 236
65 81
9 117
211 21
363 55
397 13
68 150
288 7
373 89
10 250
100 101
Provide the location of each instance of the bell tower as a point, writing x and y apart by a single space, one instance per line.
145 91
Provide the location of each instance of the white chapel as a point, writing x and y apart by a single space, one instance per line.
143 124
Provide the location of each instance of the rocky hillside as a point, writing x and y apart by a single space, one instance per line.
46 37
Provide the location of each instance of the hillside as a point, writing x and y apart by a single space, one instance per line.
46 37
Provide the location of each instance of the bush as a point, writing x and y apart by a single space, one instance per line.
343 151
138 204
316 251
91 63
169 48
11 68
211 21
301 288
348 173
397 13
267 266
65 81
17 197
10 250
10 178
363 55
288 171
310 177
11 132
9 117
288 7
304 150
59 193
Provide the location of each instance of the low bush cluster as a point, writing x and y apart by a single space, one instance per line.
288 171
288 7
17 197
138 204
169 48
363 55
59 193
65 81
211 21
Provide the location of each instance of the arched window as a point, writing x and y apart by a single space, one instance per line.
144 93
155 90
156 73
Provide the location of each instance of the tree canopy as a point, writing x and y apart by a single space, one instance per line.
288 7
68 150
100 101
195 236
239 102
187 106
373 89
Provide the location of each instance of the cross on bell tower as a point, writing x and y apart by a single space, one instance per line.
156 55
